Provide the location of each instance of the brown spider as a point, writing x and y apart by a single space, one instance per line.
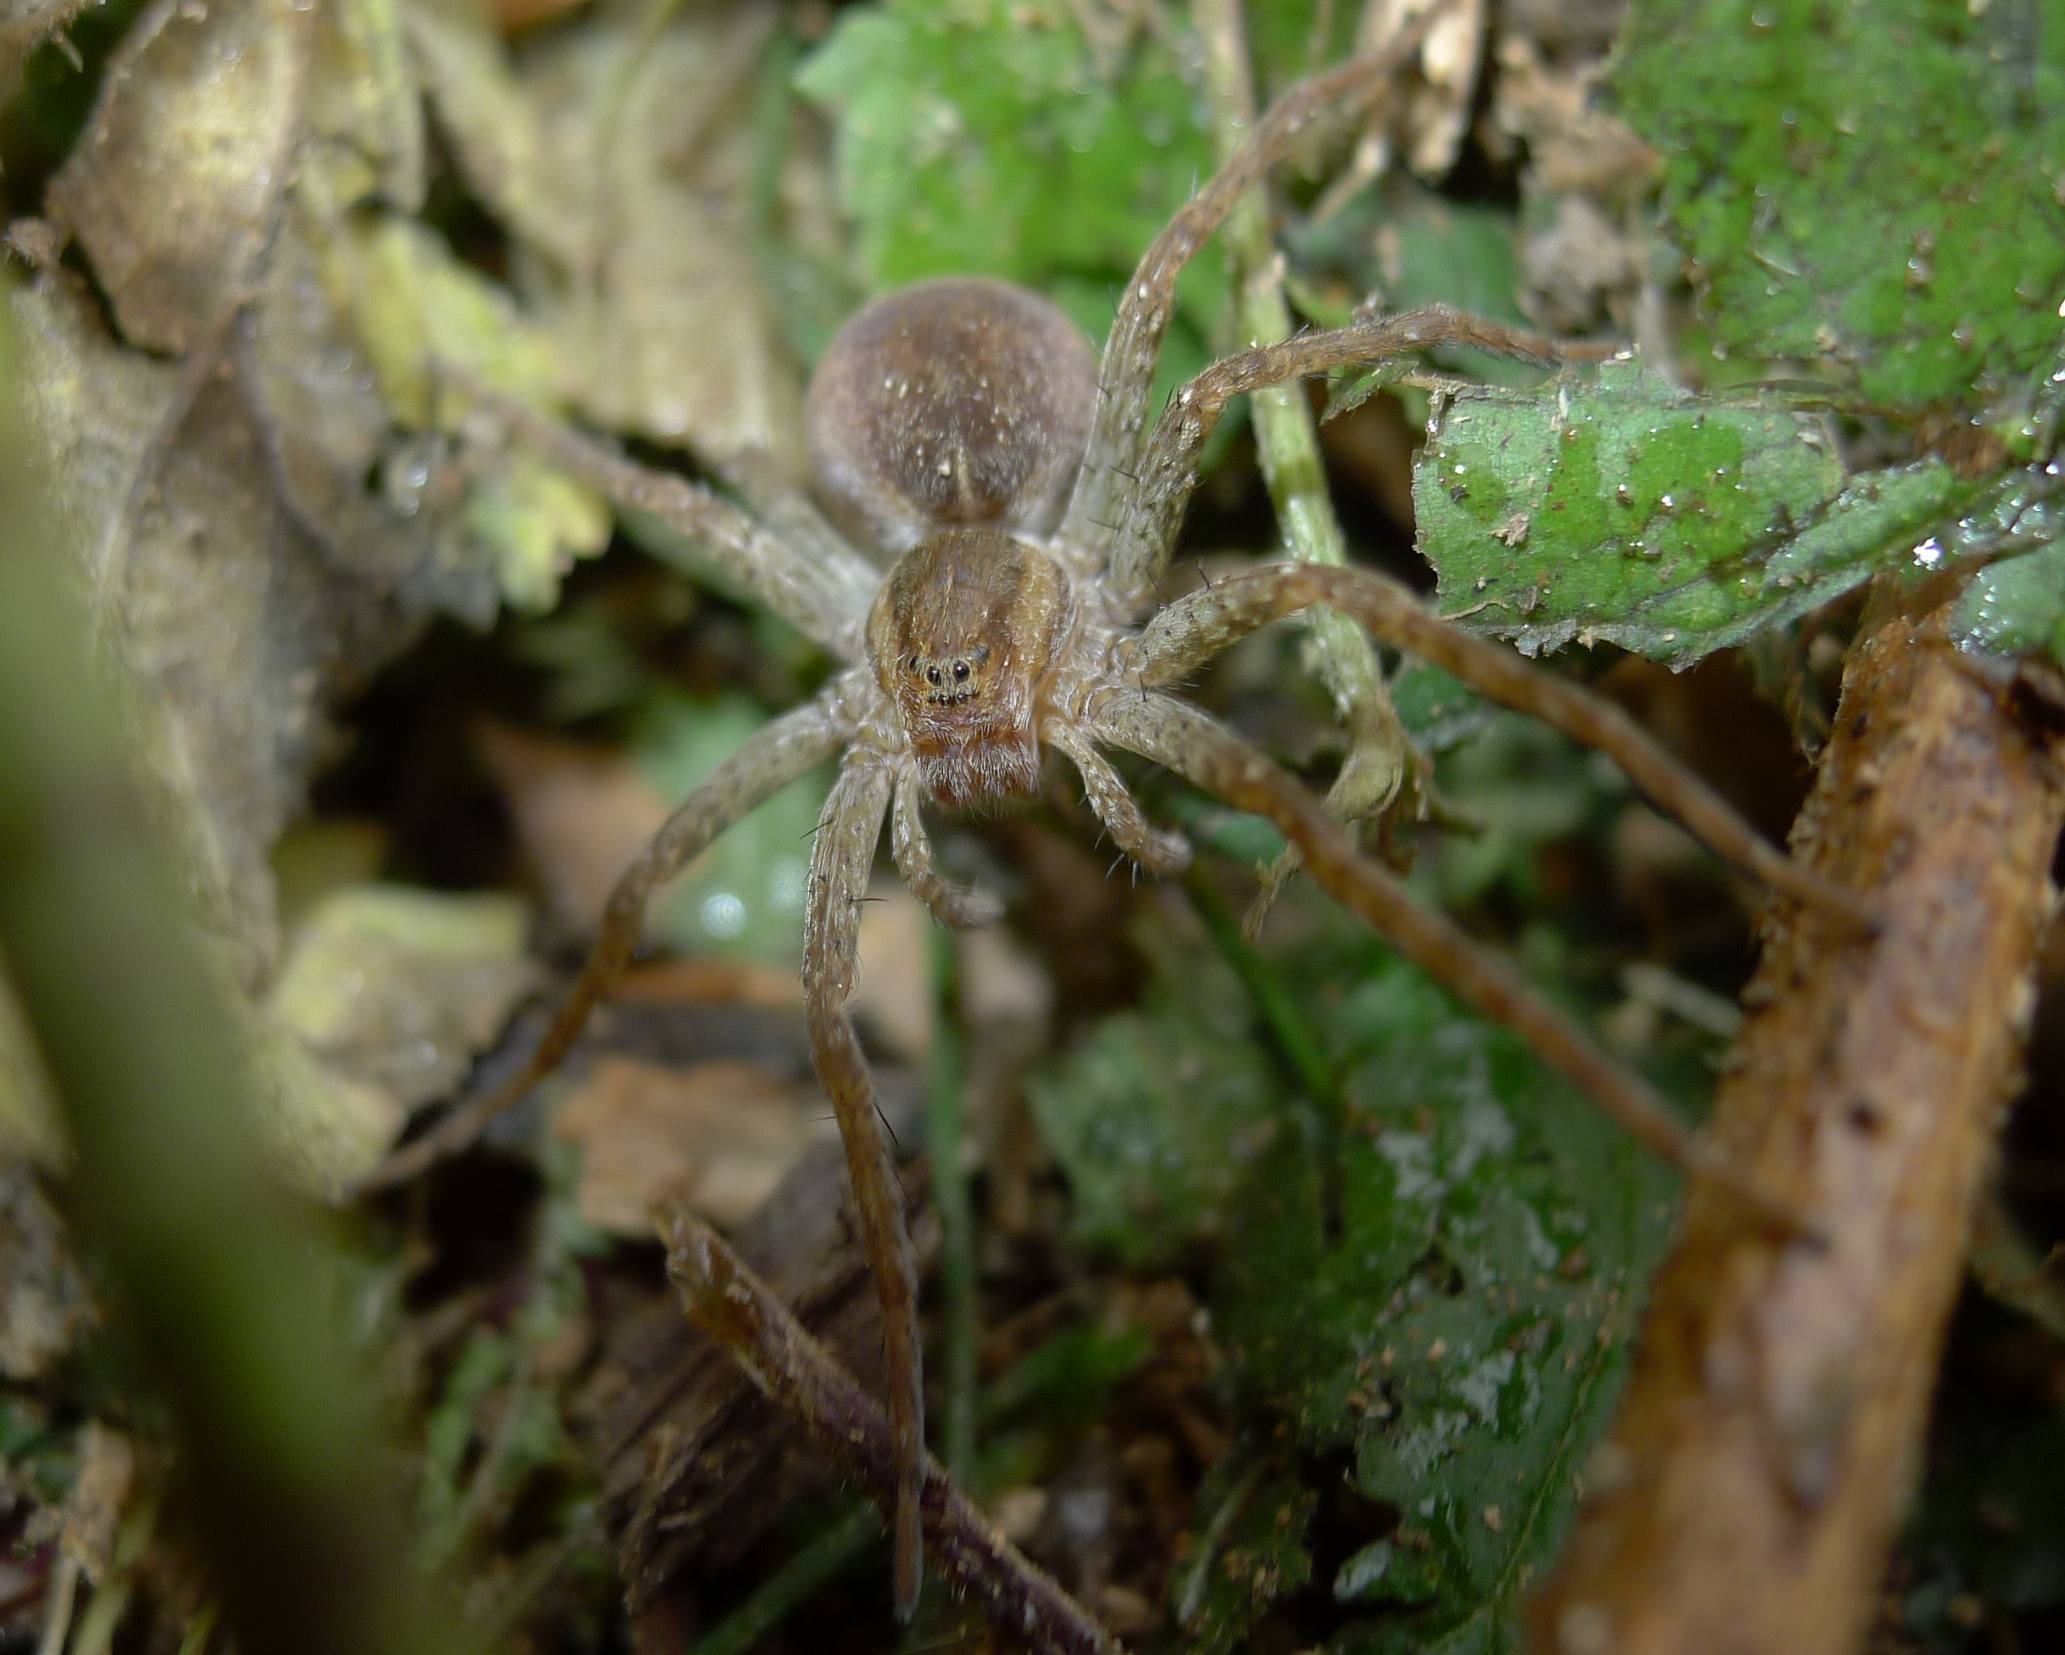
1005 510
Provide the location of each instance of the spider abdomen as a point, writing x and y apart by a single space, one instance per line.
952 402
962 636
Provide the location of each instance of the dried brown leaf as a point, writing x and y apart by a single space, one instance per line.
720 1136
174 186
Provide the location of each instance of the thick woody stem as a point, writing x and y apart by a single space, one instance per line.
727 1302
1747 1498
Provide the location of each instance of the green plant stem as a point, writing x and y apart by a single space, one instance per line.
1296 1041
946 1129
1287 440
224 1287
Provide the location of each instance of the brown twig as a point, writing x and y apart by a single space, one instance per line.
730 1304
1747 1498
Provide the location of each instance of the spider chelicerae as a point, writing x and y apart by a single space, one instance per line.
995 512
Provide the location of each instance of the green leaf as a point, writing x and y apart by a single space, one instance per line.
986 137
1406 246
1433 1274
1450 1303
2016 607
1252 1553
1155 1117
1875 184
1626 511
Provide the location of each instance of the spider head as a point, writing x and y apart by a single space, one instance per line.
962 637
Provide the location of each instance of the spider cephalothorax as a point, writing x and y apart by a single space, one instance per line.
964 639
963 435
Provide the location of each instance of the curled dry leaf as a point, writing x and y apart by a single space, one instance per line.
622 161
172 190
229 614
390 992
266 520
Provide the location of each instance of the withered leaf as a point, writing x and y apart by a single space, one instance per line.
173 187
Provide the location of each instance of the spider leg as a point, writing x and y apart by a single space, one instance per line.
1168 470
1194 628
788 511
773 758
1158 851
1125 379
840 857
958 907
817 583
1210 756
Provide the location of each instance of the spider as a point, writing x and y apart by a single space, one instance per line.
997 512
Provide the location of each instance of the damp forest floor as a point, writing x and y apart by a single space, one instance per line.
1273 1301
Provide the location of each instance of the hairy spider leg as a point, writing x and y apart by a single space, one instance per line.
841 855
1195 628
1168 471
775 756
1155 849
957 907
1132 350
1204 752
790 514
818 584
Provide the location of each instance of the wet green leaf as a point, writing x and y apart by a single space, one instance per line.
1438 710
1451 1303
1406 246
1878 185
2016 607
1625 512
1441 1290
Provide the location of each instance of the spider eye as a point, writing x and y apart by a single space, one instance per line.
932 675
960 670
